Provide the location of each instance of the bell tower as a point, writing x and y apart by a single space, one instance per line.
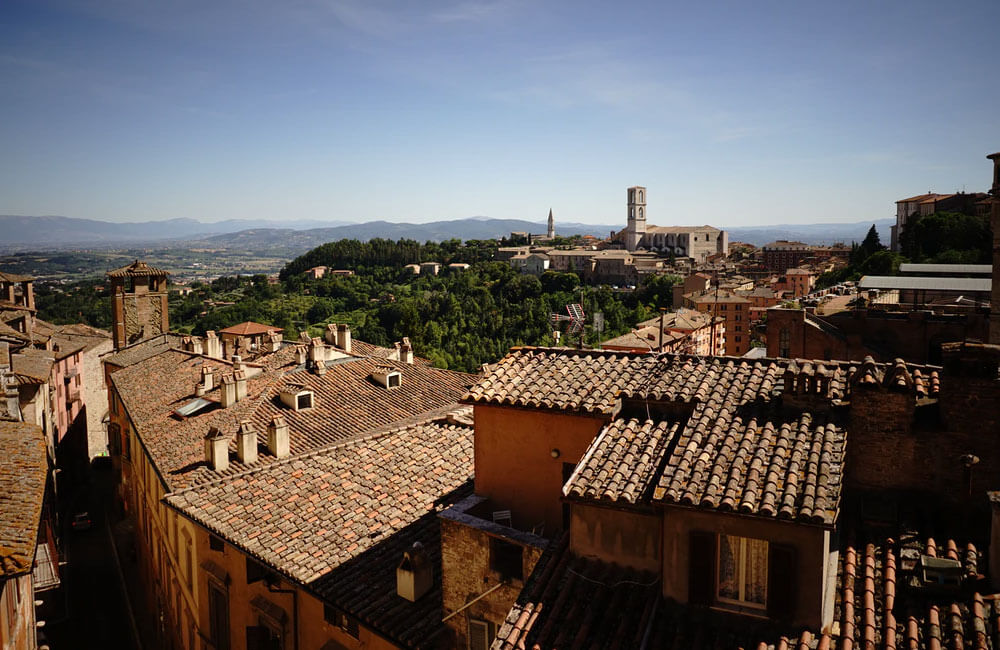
636 229
138 303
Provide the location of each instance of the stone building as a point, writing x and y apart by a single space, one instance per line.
725 502
290 500
778 256
696 242
138 303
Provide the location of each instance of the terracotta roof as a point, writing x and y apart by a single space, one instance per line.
33 363
882 603
249 328
919 197
23 472
138 352
136 269
8 331
623 461
348 403
339 519
558 378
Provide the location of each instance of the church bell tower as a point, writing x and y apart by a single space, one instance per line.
636 228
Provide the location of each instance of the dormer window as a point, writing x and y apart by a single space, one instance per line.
387 376
297 397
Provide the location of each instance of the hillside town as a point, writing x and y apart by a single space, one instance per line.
762 464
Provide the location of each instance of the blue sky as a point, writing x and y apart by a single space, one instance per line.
731 113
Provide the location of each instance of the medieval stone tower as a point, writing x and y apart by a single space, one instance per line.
138 303
995 224
636 228
552 226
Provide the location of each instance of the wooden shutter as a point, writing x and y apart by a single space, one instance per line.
701 570
782 578
478 635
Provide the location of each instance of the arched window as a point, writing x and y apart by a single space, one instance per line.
631 213
640 196
640 213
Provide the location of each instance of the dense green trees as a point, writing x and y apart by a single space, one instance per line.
947 237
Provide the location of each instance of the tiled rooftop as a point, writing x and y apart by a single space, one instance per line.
347 404
138 352
23 472
136 269
338 519
882 603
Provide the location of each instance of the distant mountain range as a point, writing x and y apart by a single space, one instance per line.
21 232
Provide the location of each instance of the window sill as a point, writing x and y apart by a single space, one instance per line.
752 612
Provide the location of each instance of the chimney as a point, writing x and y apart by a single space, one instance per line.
238 363
8 383
315 351
216 450
228 392
320 367
344 337
406 351
415 574
241 384
331 334
246 447
272 342
213 346
300 354
207 378
277 437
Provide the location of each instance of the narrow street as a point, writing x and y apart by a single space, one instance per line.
89 610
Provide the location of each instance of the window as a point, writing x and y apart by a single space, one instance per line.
218 617
256 572
742 578
216 544
304 401
341 619
481 634
784 342
393 380
505 559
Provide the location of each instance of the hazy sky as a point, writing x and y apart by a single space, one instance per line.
731 113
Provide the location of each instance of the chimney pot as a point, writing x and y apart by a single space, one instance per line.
320 367
246 448
228 393
241 384
213 346
277 437
216 450
331 334
300 354
415 574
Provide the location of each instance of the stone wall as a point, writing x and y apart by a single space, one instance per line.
466 575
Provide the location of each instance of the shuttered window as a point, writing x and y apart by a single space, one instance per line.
742 570
481 634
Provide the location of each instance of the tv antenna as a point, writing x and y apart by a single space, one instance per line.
574 317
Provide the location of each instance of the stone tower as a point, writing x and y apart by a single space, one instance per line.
138 303
995 225
636 228
552 226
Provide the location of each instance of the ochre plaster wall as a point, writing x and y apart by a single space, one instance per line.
627 538
514 464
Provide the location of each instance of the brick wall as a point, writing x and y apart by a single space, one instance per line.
896 443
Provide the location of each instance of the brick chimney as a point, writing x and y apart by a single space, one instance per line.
216 450
228 391
415 574
406 351
213 346
246 443
344 337
277 437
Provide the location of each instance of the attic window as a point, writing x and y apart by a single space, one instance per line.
297 397
387 376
